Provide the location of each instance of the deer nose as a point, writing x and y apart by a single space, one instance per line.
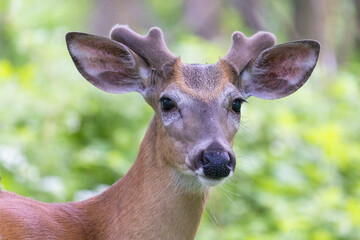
216 164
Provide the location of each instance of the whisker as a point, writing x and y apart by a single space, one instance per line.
232 202
215 225
227 190
213 215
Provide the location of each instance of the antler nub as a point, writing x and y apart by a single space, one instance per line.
244 49
151 47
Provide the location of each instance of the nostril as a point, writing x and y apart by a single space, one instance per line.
204 160
226 159
229 164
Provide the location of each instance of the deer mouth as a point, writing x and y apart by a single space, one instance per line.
210 181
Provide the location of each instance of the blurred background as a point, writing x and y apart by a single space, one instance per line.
298 170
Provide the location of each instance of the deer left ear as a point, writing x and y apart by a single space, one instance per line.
280 70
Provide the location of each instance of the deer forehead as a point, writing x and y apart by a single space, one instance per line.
204 82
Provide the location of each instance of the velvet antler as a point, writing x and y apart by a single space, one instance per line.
151 47
245 49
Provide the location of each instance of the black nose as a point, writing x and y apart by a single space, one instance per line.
216 164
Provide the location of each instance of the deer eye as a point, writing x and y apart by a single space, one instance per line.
167 104
236 105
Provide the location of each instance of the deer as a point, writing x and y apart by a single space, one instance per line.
187 148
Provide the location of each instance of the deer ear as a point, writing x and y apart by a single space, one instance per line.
106 64
280 70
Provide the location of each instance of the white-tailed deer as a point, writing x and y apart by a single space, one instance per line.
188 145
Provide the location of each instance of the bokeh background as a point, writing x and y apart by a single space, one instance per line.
298 171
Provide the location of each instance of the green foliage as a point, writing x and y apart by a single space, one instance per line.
298 167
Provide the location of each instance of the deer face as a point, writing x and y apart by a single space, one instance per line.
199 112
197 107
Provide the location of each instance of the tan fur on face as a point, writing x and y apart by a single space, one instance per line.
204 82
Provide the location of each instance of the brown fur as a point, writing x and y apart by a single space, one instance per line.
133 208
204 82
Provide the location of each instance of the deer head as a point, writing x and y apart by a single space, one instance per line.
197 107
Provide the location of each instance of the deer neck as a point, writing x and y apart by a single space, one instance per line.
149 202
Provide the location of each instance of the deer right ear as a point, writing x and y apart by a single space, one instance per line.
106 64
